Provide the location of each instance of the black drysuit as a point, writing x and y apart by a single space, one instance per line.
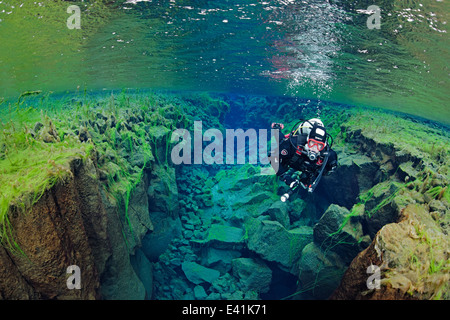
291 158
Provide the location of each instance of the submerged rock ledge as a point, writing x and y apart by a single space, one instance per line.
72 224
141 228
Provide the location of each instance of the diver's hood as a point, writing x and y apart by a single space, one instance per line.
317 136
318 133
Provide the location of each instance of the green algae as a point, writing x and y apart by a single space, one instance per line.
29 166
405 135
123 134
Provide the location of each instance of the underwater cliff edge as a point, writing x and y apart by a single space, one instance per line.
97 190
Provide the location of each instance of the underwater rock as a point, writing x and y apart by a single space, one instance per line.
138 217
159 137
165 229
71 224
112 121
140 158
355 174
37 127
199 293
381 206
199 274
144 271
278 211
101 116
177 287
118 278
215 296
14 285
437 205
163 191
401 254
52 237
224 237
339 231
407 172
219 259
101 126
241 193
252 274
244 203
296 209
225 286
275 243
48 133
167 282
319 272
84 134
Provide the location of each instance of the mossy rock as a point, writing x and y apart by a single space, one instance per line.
340 231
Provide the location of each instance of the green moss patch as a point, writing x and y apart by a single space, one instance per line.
29 165
124 134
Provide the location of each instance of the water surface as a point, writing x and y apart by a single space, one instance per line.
314 49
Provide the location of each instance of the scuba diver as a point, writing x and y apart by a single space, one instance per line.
305 155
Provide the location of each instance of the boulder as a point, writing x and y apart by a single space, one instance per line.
340 231
437 205
72 223
296 208
224 285
219 259
38 126
275 243
199 293
101 126
253 274
366 171
163 211
411 257
355 173
250 199
84 134
49 134
199 274
141 157
224 237
239 179
319 272
278 211
379 206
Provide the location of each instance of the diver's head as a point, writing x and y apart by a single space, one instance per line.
305 127
317 141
